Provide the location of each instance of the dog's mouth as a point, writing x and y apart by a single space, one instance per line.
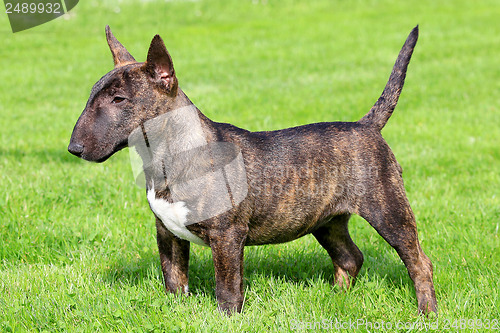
117 148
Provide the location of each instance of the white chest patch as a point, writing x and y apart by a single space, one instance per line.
173 216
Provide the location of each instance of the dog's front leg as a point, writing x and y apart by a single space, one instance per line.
227 250
174 258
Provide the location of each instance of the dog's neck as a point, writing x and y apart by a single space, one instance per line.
162 142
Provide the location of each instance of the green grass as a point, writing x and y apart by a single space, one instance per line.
77 240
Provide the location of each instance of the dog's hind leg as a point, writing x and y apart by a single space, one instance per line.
174 259
387 209
347 258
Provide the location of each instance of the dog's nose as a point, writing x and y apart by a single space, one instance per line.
75 149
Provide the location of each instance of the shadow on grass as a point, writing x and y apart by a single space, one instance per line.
268 262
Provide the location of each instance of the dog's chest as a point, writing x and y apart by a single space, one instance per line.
173 217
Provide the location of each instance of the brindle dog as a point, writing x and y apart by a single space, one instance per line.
296 181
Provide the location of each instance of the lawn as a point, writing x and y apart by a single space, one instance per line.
77 240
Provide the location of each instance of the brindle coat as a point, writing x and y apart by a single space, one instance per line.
301 180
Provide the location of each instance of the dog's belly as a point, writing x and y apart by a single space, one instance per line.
173 217
280 231
280 219
281 227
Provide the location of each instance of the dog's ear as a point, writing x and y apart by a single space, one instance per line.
160 67
120 54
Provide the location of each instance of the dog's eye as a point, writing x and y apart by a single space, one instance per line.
117 100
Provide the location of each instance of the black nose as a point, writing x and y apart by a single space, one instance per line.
75 149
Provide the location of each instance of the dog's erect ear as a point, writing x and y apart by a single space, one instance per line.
120 54
159 65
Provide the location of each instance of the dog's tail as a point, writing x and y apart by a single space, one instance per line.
380 112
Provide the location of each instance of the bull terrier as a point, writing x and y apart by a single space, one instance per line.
221 186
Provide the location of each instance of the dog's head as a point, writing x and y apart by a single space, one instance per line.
123 100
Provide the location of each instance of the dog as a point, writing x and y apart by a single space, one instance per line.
221 186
